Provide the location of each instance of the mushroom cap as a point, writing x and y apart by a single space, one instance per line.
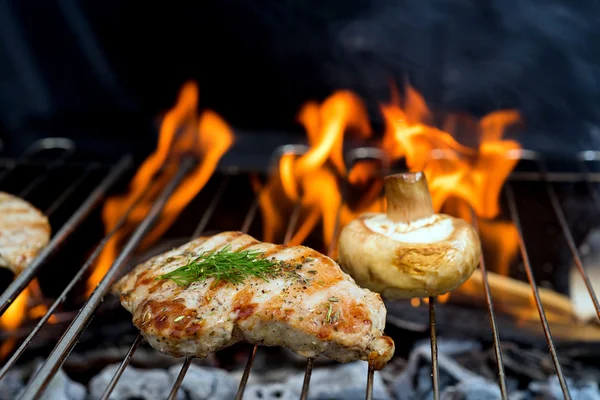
433 256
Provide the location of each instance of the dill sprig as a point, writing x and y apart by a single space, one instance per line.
226 265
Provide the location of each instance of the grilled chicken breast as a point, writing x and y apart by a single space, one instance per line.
24 231
320 311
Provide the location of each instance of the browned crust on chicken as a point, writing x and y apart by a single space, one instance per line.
319 311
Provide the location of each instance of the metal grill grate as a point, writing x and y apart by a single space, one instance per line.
70 337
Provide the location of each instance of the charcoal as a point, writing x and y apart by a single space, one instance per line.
456 382
460 383
205 383
271 391
347 381
342 382
12 384
199 383
134 384
61 386
474 389
551 390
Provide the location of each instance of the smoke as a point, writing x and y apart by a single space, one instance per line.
539 56
258 61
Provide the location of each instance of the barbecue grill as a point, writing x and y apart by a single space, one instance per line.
34 176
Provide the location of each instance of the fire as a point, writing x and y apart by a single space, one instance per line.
19 311
311 186
183 132
12 319
503 238
457 174
312 179
453 170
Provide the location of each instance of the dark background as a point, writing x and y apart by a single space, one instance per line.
101 72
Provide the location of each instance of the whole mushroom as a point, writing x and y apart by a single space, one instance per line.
410 251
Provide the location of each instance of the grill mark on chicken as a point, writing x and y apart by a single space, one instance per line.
246 246
144 279
242 304
273 250
316 310
162 315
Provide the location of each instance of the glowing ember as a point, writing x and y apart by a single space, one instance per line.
183 132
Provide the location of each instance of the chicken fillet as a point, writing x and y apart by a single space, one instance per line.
318 310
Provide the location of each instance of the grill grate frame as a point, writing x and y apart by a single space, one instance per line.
67 342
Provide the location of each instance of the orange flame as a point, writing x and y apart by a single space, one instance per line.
313 178
454 171
12 318
19 311
16 313
183 131
503 239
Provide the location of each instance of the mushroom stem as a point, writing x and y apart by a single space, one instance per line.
408 197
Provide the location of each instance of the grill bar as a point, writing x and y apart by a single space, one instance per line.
212 206
70 190
208 213
23 279
67 342
45 144
562 220
82 271
8 168
551 347
250 216
307 374
69 339
242 387
122 366
370 377
293 222
310 362
376 154
180 377
51 143
43 176
288 236
204 220
435 372
494 326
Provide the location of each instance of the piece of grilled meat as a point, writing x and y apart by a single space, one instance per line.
320 310
24 231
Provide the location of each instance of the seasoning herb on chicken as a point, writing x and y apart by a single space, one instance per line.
224 264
